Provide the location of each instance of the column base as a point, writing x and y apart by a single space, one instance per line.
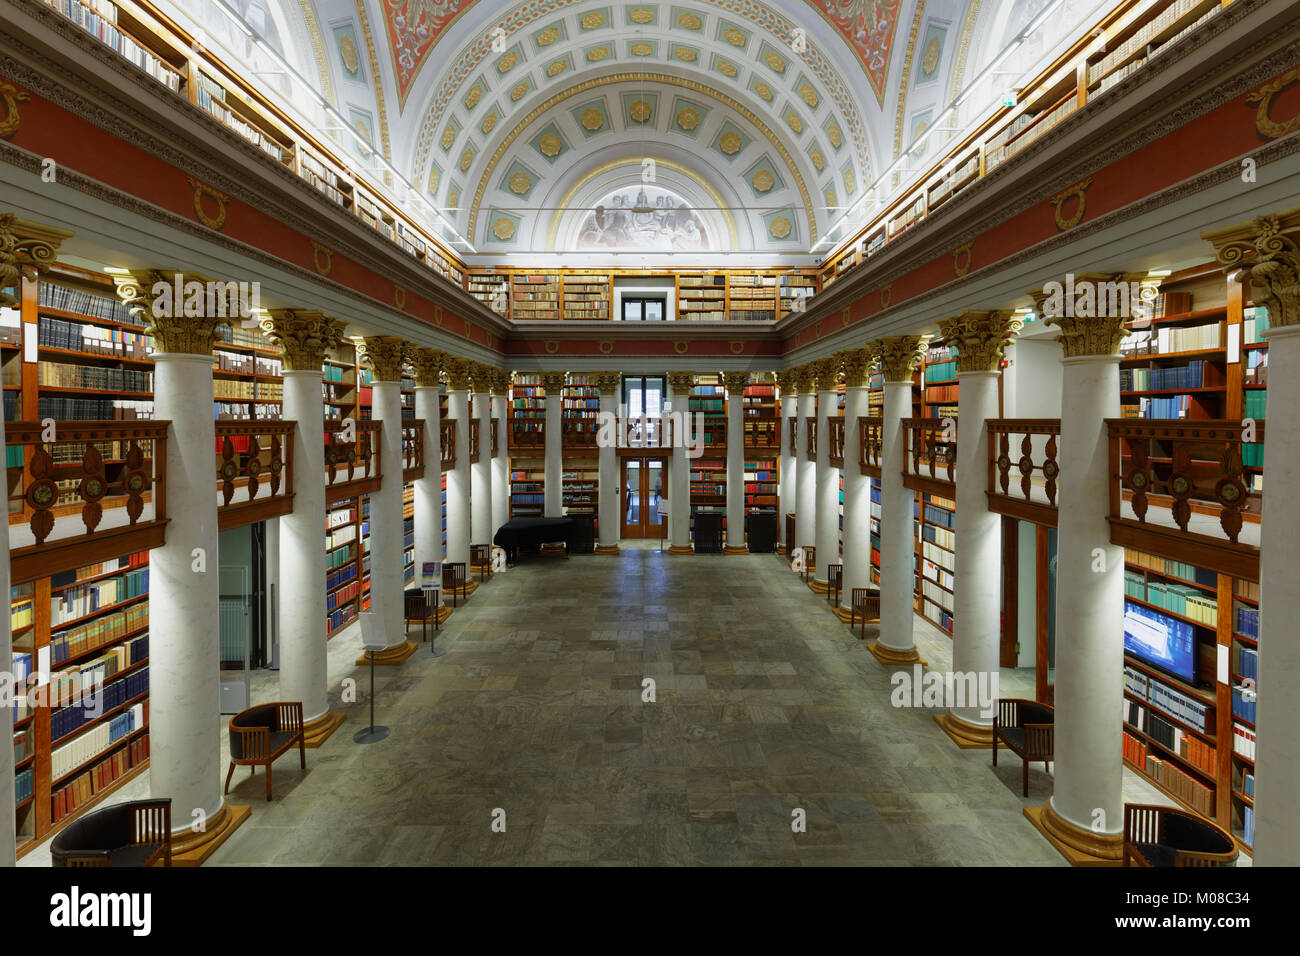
191 849
393 656
844 612
780 549
895 657
1081 847
481 569
735 549
554 548
607 549
818 587
442 614
964 735
681 549
315 732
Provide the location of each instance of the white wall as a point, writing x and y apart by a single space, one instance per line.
633 286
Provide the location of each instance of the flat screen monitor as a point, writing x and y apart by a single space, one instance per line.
1160 640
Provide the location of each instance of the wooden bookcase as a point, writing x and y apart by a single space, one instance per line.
581 479
527 487
795 291
708 395
937 515
492 289
580 409
701 296
535 295
751 297
86 625
586 295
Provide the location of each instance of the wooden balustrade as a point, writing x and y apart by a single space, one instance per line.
1036 465
352 468
412 449
528 435
447 443
645 432
111 474
930 453
473 441
1178 488
496 431
794 435
835 436
763 433
810 425
579 435
872 430
255 458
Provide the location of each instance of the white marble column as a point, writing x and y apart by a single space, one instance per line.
8 815
789 469
679 485
385 355
806 513
553 490
856 364
899 356
608 493
427 364
303 338
501 461
977 574
458 478
827 537
480 495
735 382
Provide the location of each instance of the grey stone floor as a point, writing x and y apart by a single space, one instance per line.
764 704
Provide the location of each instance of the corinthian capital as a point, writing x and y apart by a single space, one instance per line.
980 338
1267 252
900 355
385 355
427 365
303 337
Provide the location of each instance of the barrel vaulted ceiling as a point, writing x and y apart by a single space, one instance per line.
561 125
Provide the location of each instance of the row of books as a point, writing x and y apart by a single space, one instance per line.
1182 785
84 337
940 516
84 787
210 97
93 409
1191 375
97 20
1255 368
340 618
21 613
940 615
1244 703
1248 621
752 315
237 388
80 600
1192 711
1243 741
245 336
1254 323
1175 406
940 371
246 364
67 757
934 572
340 516
940 536
69 720
1195 750
1177 569
24 786
343 595
941 394
937 555
63 375
1166 339
93 635
68 299
1183 599
937 594
67 685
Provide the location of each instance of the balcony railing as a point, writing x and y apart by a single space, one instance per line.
496 432
473 441
871 431
1179 488
763 433
579 435
351 467
810 426
528 435
929 456
835 435
1023 471
254 471
109 474
447 443
412 449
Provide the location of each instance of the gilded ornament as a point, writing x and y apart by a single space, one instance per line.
593 20
519 92
642 49
12 96
774 61
548 36
780 227
834 135
384 355
931 58
763 90
466 159
688 119
448 137
642 15
558 67
689 21
597 53
1263 96
809 95
489 122
348 53
727 68
507 62
818 160
550 145
850 182
503 228
684 53
302 336
473 96
793 121
763 180
216 219
1077 192
640 111
980 338
899 356
730 143
520 183
592 120
734 36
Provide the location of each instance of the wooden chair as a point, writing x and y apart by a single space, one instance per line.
453 579
864 603
261 734
834 582
1168 836
126 834
809 561
416 607
1026 727
480 556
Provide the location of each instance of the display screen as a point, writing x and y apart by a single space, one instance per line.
1160 640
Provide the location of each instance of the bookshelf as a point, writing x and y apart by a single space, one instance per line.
527 411
586 296
701 296
342 565
535 295
761 476
121 30
492 289
1145 32
580 408
1243 662
751 297
795 291
339 385
527 487
762 416
581 482
408 533
708 395
243 117
71 749
708 477
937 516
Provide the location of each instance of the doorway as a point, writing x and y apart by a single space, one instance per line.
644 309
643 485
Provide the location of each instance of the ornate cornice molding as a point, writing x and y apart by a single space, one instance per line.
303 336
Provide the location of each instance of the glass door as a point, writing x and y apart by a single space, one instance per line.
643 500
639 309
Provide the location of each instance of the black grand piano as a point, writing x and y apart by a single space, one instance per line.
529 534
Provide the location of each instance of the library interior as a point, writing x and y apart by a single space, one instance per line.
643 433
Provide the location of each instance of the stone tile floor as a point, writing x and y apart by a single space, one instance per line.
764 704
